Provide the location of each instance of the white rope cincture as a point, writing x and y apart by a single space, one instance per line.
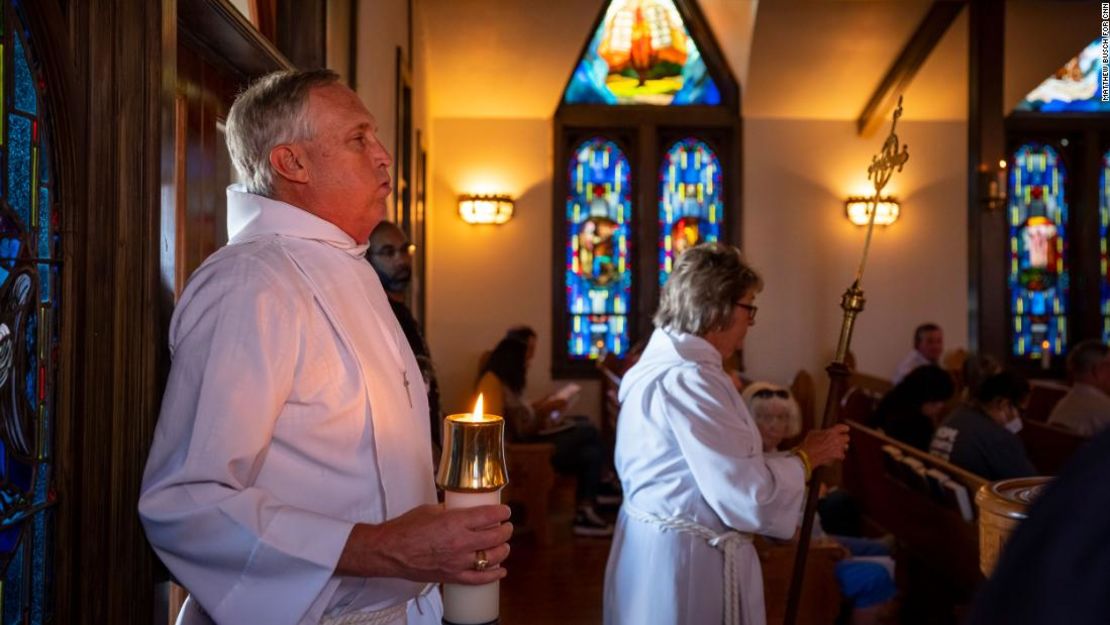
377 617
728 543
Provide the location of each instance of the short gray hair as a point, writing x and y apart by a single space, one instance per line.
703 289
1085 356
270 112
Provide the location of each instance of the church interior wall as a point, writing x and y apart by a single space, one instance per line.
797 174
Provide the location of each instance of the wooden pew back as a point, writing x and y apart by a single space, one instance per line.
912 507
1049 447
1043 395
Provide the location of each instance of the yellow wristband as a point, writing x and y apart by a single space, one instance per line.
804 457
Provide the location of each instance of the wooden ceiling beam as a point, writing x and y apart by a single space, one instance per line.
929 32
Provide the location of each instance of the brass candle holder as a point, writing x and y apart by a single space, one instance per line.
472 473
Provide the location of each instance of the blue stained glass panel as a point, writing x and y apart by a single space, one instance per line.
598 264
26 99
29 239
19 167
690 200
642 53
1038 241
1104 245
1074 88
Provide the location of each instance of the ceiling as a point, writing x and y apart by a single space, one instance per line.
796 59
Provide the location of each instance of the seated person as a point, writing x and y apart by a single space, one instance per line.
928 345
1085 410
864 575
910 411
578 448
976 368
981 436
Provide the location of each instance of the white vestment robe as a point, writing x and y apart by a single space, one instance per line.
688 448
294 409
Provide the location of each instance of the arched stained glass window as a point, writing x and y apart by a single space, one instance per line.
690 206
642 53
1104 246
1038 280
598 269
1074 88
29 281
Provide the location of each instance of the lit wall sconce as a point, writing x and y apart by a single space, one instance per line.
858 210
485 209
993 187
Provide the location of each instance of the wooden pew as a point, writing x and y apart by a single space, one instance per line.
1043 395
1049 447
821 600
610 368
930 525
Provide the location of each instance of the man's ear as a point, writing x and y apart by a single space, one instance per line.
288 161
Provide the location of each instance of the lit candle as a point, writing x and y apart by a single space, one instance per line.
1046 355
472 473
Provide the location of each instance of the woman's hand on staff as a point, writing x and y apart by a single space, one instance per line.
826 446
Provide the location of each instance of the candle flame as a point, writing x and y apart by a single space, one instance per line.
477 414
1044 345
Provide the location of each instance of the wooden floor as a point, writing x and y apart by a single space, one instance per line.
560 584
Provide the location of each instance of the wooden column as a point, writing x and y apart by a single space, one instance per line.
987 305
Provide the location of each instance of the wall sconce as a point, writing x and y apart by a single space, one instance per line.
994 186
485 209
858 210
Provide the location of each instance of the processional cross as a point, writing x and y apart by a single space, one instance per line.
883 165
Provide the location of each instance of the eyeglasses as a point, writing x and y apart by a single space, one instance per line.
389 251
768 393
751 310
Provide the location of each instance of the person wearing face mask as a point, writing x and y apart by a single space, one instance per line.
981 435
390 254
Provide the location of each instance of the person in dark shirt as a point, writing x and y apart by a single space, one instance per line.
981 435
909 412
1056 566
390 254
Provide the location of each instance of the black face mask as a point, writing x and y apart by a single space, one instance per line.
397 283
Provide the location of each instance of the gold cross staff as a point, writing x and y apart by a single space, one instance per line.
883 165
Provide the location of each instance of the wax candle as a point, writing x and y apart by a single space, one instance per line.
472 473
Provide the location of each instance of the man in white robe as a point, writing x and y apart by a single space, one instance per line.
690 459
290 477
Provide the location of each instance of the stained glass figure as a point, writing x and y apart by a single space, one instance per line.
29 278
690 208
1074 88
599 269
1104 246
642 53
1038 281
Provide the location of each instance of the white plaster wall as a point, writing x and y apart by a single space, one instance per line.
797 174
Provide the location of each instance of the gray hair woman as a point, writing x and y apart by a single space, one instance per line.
775 411
697 484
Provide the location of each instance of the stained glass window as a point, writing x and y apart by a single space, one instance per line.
690 209
29 279
1104 246
599 269
1038 281
1074 88
642 53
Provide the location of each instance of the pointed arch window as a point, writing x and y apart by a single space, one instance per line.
1074 88
1038 221
651 92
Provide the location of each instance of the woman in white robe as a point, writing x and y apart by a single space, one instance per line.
691 462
